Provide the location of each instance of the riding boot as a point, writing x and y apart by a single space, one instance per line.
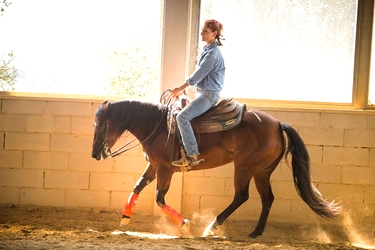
186 161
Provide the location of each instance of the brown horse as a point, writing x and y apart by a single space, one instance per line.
256 147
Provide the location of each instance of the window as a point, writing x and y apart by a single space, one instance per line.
287 50
83 47
371 97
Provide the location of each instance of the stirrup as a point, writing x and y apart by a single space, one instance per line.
187 162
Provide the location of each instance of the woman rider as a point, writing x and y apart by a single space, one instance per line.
208 78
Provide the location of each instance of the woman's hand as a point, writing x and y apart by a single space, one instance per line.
176 92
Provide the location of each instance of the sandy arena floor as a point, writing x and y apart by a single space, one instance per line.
29 227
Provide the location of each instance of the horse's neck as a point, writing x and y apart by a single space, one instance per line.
141 119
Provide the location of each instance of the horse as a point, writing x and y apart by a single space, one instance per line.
255 146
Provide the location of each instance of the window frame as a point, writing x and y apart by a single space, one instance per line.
362 56
361 73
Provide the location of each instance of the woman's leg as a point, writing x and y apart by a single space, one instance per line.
203 102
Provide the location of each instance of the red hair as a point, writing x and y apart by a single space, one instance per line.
214 25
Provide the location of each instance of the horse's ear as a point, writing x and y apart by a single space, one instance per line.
105 105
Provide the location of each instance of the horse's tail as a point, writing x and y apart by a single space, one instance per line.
301 175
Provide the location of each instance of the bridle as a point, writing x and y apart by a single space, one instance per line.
123 149
107 149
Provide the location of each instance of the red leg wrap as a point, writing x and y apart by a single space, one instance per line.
129 207
173 215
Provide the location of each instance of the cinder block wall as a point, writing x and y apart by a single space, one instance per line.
45 148
46 157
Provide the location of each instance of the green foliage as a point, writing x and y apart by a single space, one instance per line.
4 4
8 73
133 72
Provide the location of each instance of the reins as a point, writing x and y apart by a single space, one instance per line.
164 98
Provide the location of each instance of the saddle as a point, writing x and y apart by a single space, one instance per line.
224 116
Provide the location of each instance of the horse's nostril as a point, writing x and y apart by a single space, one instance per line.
93 155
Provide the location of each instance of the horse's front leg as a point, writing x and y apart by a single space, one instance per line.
147 177
164 180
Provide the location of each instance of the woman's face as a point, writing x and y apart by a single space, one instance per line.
207 35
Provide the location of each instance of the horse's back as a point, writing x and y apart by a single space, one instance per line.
260 136
260 121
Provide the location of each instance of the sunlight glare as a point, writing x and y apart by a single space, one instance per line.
355 238
145 235
61 46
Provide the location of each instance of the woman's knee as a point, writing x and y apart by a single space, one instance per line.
182 118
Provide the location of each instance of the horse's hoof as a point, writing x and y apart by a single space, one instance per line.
254 234
125 221
185 226
209 232
211 229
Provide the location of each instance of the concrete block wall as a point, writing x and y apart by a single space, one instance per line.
45 148
45 153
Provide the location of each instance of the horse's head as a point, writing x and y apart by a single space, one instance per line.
104 137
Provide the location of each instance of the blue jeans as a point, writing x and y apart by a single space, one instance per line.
203 102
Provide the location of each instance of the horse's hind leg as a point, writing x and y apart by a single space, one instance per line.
148 176
242 182
262 183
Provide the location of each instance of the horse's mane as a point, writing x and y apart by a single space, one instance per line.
137 109
120 108
125 112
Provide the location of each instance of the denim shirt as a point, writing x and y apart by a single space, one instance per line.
210 72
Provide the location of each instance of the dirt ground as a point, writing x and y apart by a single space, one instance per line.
31 227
